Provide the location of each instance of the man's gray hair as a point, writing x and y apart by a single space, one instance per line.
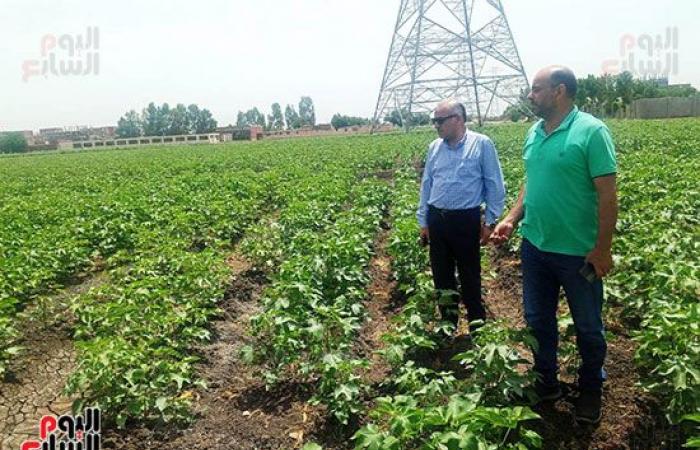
455 107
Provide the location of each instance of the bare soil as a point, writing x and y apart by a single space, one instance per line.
33 385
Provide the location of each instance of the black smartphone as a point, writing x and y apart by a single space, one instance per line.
588 272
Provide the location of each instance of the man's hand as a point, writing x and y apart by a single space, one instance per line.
424 236
485 234
502 232
601 261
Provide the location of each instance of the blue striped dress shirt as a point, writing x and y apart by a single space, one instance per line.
462 177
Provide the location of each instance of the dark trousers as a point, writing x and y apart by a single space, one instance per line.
454 243
544 273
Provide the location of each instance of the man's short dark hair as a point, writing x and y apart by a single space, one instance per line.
567 78
462 111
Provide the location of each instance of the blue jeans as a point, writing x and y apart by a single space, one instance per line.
544 273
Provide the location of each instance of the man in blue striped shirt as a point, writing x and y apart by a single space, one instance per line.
462 172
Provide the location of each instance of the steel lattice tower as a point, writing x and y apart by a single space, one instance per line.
451 48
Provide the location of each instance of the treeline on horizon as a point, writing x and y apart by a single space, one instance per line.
603 96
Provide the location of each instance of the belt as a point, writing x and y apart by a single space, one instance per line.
452 212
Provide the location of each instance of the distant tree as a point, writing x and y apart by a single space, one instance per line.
150 118
276 119
193 113
156 120
420 118
340 121
129 125
607 94
514 113
178 122
677 91
250 118
394 117
164 118
241 120
292 118
413 119
164 121
307 114
200 120
205 122
519 110
255 117
13 143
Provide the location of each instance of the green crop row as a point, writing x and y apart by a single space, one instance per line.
313 308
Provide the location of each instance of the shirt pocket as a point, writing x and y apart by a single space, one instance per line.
468 167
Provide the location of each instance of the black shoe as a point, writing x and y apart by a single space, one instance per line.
548 392
588 406
539 392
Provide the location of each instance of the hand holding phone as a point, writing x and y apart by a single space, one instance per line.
588 272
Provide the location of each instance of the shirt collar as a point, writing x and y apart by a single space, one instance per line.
459 143
564 125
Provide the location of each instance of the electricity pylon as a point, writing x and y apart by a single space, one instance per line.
462 49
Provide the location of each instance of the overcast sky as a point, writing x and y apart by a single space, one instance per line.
230 55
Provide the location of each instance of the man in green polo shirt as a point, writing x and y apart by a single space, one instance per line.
568 210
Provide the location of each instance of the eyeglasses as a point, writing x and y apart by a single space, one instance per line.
440 120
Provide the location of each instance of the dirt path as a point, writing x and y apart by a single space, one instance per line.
35 380
628 418
380 308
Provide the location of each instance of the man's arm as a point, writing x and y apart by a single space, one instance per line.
601 255
494 189
505 228
426 184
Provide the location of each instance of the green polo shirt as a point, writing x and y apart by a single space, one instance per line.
561 202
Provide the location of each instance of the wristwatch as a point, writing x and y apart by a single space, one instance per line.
491 225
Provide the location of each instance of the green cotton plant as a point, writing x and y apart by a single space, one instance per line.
313 309
417 325
693 421
457 421
568 351
435 410
408 258
421 381
669 350
492 363
311 446
8 332
340 388
150 377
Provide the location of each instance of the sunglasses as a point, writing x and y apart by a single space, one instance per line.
440 120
